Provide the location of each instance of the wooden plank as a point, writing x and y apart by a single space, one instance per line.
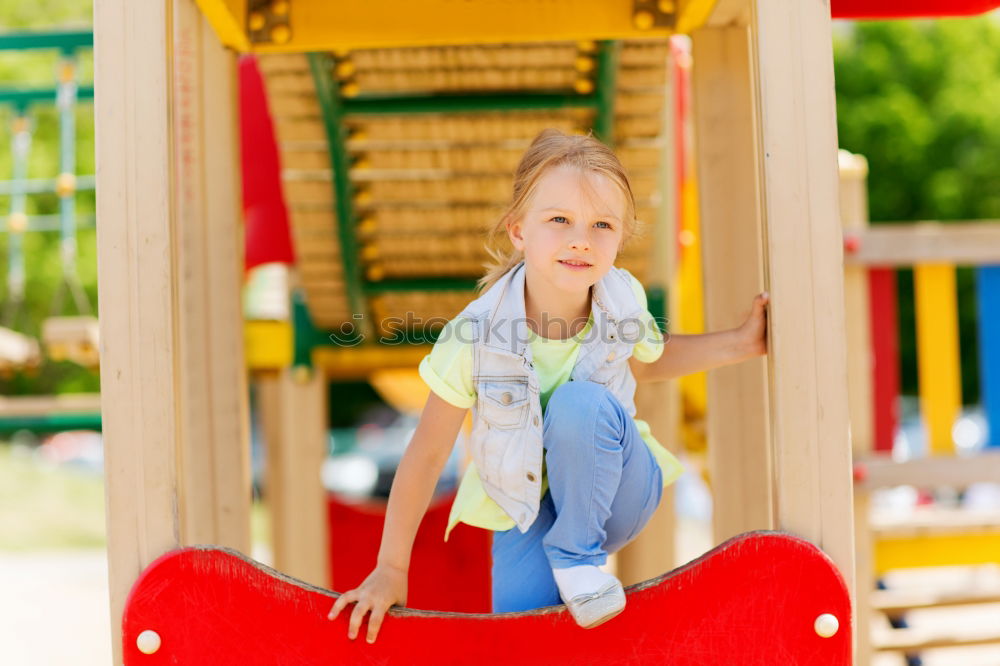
318 26
652 553
953 548
917 639
857 308
792 59
931 472
151 64
938 359
738 446
756 596
729 13
896 602
221 449
11 406
930 522
293 412
905 244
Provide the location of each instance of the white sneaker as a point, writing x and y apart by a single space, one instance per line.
591 610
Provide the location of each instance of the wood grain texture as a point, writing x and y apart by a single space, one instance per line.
738 446
792 59
168 249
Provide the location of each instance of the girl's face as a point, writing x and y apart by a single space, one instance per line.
572 229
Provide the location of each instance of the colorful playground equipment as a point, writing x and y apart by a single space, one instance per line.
934 536
72 338
394 151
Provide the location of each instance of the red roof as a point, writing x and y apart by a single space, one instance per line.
888 9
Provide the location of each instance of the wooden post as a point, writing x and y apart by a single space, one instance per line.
738 446
653 552
293 413
854 215
796 132
172 382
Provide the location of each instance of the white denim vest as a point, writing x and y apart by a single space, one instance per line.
506 439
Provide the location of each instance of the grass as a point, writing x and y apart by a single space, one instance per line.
45 506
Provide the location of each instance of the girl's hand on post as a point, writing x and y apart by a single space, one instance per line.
384 586
753 332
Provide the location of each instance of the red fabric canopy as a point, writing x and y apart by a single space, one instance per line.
889 9
267 237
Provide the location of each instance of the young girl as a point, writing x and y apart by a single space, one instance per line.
548 357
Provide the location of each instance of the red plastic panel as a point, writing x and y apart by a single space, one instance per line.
751 601
446 576
888 9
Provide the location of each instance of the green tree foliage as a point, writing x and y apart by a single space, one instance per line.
921 100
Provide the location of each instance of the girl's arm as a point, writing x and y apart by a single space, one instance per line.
687 354
412 489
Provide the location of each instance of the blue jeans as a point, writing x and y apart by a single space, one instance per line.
604 484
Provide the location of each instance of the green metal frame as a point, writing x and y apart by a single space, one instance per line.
44 185
66 41
51 422
22 98
607 78
328 94
375 105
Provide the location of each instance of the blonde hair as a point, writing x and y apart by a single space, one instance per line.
552 148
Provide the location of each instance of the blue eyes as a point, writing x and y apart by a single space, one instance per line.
560 217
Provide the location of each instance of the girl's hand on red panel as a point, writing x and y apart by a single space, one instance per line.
385 585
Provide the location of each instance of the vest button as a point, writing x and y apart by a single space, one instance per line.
534 420
531 477
506 398
611 356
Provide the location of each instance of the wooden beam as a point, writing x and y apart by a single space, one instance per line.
913 640
971 243
729 13
216 497
853 171
882 471
324 26
792 56
652 553
293 412
738 445
164 89
76 403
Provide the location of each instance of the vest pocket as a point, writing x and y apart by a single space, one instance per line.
504 404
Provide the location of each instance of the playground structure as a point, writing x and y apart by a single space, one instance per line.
75 337
938 536
173 374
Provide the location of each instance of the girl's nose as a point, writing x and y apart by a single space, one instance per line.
580 241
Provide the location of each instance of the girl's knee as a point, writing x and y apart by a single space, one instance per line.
571 395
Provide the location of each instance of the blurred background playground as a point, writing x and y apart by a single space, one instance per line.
917 113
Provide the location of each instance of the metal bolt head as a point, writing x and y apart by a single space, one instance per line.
148 642
826 625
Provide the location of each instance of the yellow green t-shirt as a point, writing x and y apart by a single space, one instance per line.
447 369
